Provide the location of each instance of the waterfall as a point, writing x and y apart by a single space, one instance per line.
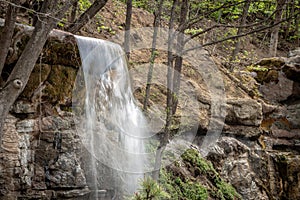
110 124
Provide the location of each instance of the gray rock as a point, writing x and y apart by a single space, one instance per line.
54 123
244 112
27 126
23 107
66 172
293 115
277 92
233 160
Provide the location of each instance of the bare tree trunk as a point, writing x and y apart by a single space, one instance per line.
86 16
240 30
297 26
73 12
166 136
7 33
290 8
127 27
178 60
19 76
153 53
275 30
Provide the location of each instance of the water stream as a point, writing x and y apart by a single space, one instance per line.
111 126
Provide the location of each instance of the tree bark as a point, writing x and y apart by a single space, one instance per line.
127 27
20 74
86 16
166 136
153 53
240 30
297 25
179 50
73 12
275 30
7 33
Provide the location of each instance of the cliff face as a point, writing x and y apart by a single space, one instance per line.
257 153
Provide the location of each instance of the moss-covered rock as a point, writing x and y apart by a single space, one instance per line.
38 76
272 63
194 177
64 52
59 84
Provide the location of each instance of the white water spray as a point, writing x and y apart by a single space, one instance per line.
112 127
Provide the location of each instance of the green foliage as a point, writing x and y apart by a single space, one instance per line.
223 189
101 28
193 157
167 181
226 191
191 190
262 8
257 68
150 190
84 4
193 31
182 189
150 6
61 23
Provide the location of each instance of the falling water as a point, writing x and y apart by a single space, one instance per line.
112 126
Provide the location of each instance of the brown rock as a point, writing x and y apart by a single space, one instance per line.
292 68
277 92
243 112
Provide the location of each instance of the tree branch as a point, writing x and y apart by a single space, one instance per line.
229 26
86 16
241 35
196 19
7 33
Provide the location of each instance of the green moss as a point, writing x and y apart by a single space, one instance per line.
226 190
222 190
182 189
193 157
274 62
60 84
194 191
168 182
61 53
38 76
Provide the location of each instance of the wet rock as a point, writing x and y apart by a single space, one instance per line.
73 193
59 84
66 172
38 76
62 52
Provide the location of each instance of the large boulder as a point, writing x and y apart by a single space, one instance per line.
237 163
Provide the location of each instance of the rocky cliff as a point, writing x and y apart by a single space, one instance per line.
257 152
